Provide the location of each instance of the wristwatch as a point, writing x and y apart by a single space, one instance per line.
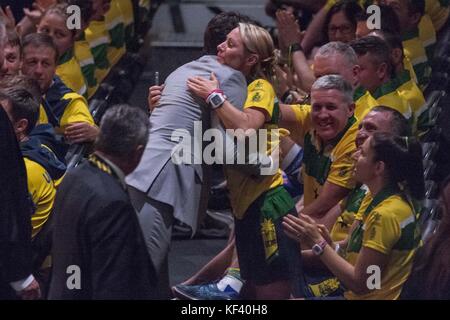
216 99
295 47
318 248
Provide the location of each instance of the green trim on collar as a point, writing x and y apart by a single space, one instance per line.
408 35
385 89
66 57
359 92
403 78
338 138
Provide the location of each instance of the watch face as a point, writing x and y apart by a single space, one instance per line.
215 100
316 249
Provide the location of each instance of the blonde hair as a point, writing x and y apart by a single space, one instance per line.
257 40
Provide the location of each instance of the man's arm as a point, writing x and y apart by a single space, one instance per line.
329 196
314 33
313 5
112 235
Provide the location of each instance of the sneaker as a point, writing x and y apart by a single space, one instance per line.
204 292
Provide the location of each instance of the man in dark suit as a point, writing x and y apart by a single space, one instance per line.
16 279
98 249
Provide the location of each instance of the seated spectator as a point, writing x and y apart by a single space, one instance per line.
375 76
66 110
96 228
13 55
96 34
340 22
406 86
409 14
82 50
54 23
115 24
126 7
336 20
430 276
386 237
438 12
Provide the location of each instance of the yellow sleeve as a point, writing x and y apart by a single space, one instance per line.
260 94
43 119
341 170
76 111
382 230
43 192
303 116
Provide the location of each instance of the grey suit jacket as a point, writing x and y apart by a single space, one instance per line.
180 185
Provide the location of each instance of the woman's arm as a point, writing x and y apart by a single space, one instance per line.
231 117
305 230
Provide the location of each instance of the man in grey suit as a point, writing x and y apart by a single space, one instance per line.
161 190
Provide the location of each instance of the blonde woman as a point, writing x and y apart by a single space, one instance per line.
268 260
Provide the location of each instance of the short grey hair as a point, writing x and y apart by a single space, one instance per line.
334 81
337 47
122 129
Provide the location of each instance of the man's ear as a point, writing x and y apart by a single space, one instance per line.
21 126
415 19
382 70
351 109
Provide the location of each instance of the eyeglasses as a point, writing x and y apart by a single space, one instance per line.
344 29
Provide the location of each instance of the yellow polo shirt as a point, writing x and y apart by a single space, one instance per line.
244 189
388 226
331 163
43 193
69 70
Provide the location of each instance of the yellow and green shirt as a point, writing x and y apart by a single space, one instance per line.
388 226
331 163
387 95
61 106
410 92
115 24
126 7
427 34
244 189
85 59
364 102
415 51
351 206
43 193
438 10
69 71
98 38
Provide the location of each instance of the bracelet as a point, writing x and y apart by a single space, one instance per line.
293 48
215 90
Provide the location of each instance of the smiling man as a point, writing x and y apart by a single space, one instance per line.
327 134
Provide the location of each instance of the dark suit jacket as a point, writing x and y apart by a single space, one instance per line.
15 212
96 229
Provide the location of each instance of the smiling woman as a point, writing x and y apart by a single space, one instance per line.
386 237
267 259
54 23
